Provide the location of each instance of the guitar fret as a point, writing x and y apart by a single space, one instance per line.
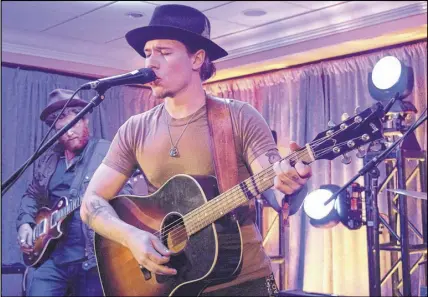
245 191
222 205
70 207
239 194
254 183
221 210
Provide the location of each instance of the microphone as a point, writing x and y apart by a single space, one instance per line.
140 76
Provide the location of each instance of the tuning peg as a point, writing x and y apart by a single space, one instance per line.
331 124
344 117
361 152
376 146
357 110
346 159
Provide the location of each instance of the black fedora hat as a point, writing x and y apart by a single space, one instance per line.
57 100
177 22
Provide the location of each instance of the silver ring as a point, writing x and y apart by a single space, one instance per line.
22 241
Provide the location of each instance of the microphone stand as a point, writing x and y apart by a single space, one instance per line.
88 108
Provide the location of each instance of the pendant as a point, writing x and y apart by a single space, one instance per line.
173 152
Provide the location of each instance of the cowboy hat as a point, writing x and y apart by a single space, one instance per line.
177 22
57 100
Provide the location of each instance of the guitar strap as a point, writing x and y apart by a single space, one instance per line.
223 148
222 142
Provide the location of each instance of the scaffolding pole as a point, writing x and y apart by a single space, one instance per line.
395 165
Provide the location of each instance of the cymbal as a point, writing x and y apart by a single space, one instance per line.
414 194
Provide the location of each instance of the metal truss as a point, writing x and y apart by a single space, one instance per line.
397 222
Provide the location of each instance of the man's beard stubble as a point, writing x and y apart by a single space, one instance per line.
164 94
83 141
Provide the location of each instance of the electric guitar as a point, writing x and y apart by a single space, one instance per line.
195 222
48 228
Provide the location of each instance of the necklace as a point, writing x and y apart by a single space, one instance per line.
173 152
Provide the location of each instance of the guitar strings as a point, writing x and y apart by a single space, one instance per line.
210 204
215 207
237 188
325 138
231 191
192 214
324 151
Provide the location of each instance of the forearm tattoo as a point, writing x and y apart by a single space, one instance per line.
95 208
273 156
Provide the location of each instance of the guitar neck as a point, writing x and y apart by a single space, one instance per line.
352 133
216 208
71 206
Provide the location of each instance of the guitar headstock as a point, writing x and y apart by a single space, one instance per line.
350 134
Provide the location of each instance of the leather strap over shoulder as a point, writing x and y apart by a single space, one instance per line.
222 142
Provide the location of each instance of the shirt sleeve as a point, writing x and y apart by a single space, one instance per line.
254 133
30 202
29 206
121 155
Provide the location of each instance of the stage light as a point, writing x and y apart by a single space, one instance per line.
390 77
351 209
346 208
320 215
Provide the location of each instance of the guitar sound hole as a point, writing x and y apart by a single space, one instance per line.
174 233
